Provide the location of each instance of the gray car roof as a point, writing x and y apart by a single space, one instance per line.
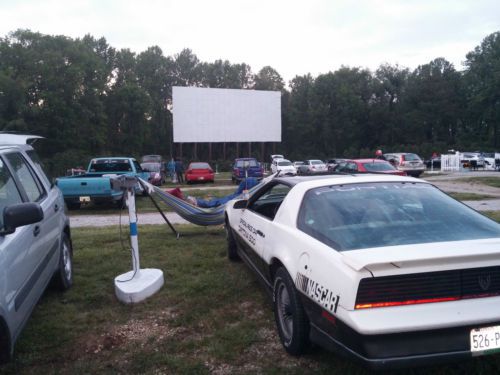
17 139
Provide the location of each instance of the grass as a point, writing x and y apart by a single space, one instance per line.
470 196
211 316
490 181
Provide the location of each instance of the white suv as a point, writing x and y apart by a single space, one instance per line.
35 240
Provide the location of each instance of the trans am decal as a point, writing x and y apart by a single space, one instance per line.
325 297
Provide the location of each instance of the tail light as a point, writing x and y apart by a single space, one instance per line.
402 160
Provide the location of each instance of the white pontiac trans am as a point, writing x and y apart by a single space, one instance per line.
387 269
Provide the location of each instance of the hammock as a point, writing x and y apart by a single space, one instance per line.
193 214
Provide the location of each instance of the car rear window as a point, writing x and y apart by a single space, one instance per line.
359 216
316 162
199 166
251 163
110 166
411 157
378 167
151 167
284 163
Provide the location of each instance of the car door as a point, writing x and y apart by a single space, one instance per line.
39 242
256 222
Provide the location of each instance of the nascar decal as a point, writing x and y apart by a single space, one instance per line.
247 231
325 297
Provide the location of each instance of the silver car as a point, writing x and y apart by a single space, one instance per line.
35 239
312 166
407 162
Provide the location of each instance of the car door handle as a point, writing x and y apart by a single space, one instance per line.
36 231
56 207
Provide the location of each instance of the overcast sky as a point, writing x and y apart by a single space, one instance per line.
294 37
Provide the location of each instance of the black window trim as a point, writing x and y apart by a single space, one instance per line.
261 192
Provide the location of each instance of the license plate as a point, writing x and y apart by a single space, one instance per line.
84 199
485 339
201 178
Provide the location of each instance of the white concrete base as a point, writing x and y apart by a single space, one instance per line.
145 283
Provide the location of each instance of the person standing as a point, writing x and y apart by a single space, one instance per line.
379 155
171 169
179 170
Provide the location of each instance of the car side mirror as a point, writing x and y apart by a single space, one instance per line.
18 215
241 204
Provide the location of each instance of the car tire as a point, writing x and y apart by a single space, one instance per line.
6 349
291 319
64 273
232 250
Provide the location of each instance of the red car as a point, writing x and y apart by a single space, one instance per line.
368 166
199 172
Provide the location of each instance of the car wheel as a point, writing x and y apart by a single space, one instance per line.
64 275
291 319
232 251
6 349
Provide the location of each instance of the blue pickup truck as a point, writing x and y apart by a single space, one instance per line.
95 185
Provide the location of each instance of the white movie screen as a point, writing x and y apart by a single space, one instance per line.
226 115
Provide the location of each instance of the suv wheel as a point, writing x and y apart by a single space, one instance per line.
64 275
291 319
5 345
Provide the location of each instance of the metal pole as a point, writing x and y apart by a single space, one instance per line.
134 241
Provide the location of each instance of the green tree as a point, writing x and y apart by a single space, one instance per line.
482 80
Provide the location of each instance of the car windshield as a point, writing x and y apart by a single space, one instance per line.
316 162
359 216
251 163
151 167
284 163
199 166
378 167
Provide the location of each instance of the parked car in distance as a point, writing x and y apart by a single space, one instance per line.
157 175
75 171
199 172
368 166
276 156
312 166
250 166
407 162
284 166
472 159
35 238
151 159
389 270
433 162
332 163
297 164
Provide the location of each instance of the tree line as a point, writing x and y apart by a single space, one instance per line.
89 99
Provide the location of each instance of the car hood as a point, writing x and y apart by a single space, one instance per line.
428 254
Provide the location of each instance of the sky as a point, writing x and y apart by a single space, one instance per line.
294 37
